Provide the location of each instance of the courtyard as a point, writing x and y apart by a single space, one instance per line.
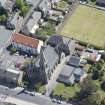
87 24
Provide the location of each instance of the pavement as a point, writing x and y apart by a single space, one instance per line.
19 95
5 34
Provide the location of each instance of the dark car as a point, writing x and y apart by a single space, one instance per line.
10 26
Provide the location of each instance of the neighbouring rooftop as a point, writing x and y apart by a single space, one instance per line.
25 40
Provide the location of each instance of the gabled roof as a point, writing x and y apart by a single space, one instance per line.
25 40
9 4
74 61
100 1
50 56
55 40
31 23
34 19
79 71
67 71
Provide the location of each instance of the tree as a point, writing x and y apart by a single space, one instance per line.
103 86
87 88
19 3
48 29
93 99
102 101
2 18
24 10
95 75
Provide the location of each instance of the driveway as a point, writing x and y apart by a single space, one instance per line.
52 82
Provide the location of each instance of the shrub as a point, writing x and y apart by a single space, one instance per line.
103 86
13 50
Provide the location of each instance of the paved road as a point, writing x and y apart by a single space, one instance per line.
37 99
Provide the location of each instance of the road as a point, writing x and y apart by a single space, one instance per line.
17 94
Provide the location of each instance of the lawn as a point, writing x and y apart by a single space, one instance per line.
66 91
86 24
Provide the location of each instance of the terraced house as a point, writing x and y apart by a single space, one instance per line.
26 44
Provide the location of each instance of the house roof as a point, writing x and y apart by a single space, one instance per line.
74 61
59 40
67 71
2 2
9 4
67 74
25 40
55 39
79 71
32 22
50 56
100 1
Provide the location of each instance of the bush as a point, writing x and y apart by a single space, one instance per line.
13 50
103 86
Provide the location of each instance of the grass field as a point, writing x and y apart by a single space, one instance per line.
86 24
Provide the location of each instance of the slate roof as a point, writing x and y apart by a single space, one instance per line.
100 1
63 43
67 71
74 61
55 39
50 56
79 71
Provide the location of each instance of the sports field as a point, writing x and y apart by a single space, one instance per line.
86 24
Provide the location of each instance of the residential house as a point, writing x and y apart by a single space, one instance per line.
7 4
27 44
32 24
10 75
44 7
74 61
70 74
66 75
45 64
79 74
65 44
100 3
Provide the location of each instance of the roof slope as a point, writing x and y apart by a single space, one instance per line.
25 40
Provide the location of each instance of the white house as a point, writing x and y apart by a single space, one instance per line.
26 44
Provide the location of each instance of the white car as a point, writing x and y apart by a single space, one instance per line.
59 102
54 100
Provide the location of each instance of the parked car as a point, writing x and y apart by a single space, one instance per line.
59 102
10 26
54 100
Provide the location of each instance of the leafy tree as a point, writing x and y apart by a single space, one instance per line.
19 3
102 101
87 88
24 10
103 86
95 75
22 6
48 29
2 18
